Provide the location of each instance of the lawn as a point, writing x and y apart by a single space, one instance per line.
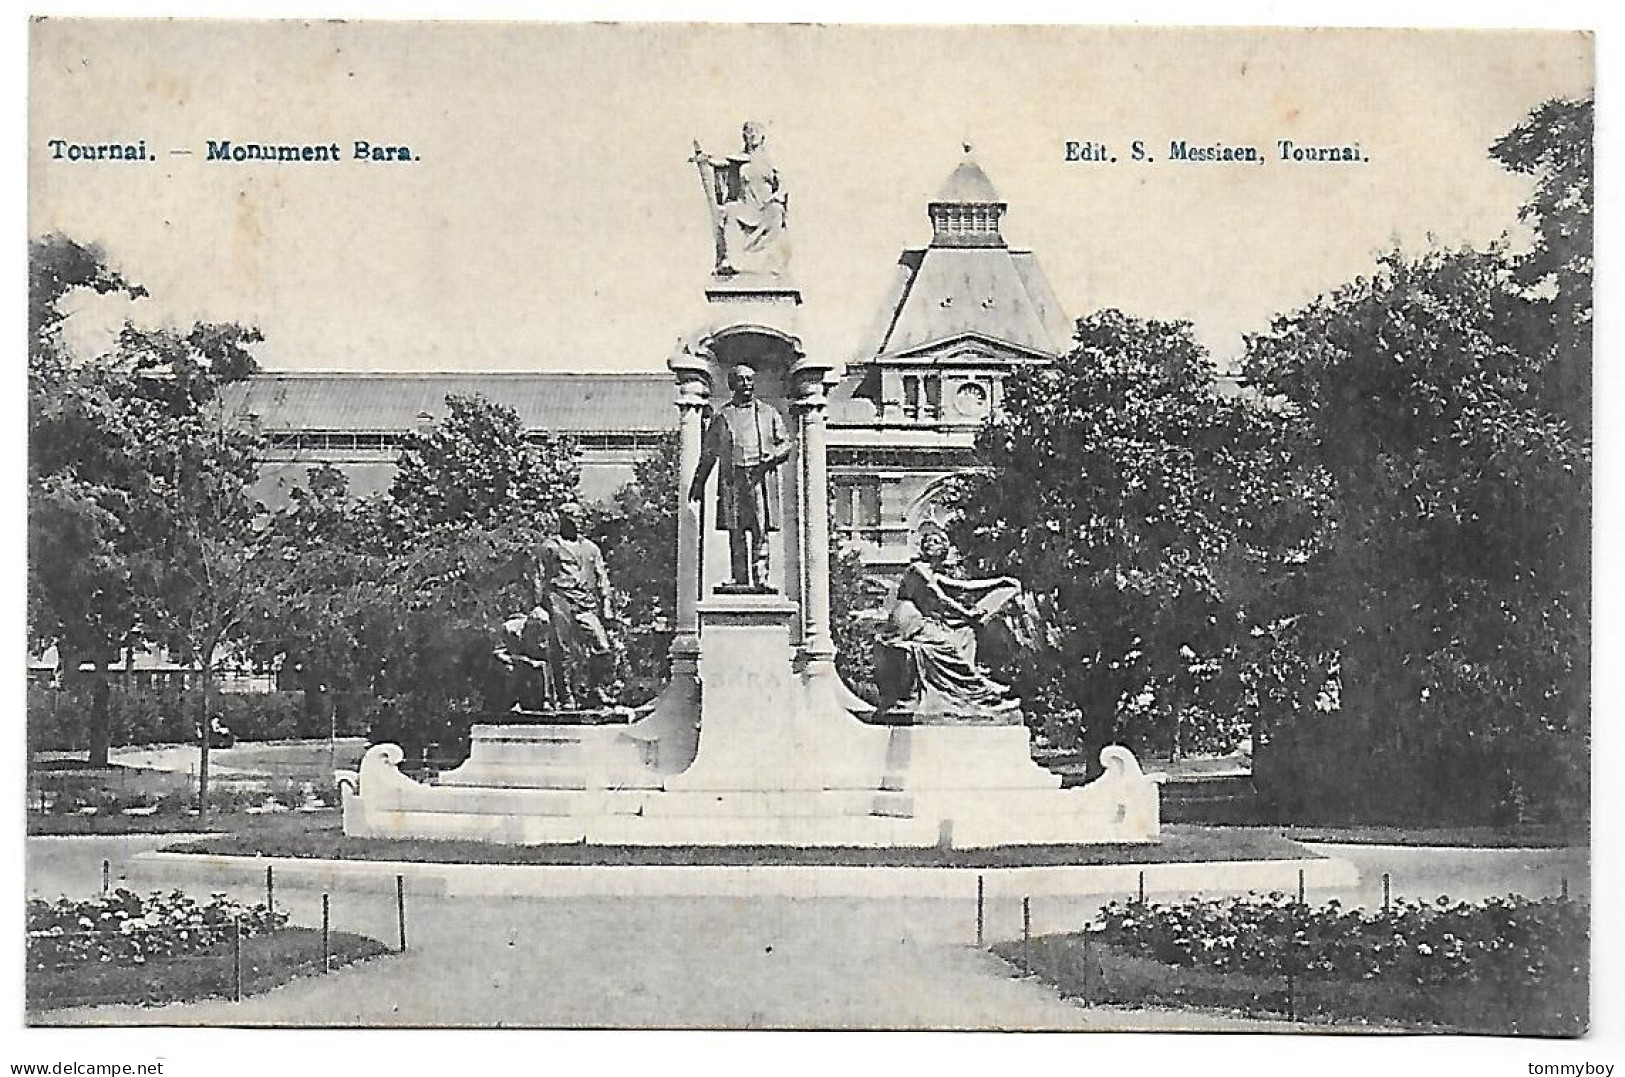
267 961
153 789
1527 836
177 822
1180 844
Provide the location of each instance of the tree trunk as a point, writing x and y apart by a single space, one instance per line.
80 691
1096 735
207 676
100 730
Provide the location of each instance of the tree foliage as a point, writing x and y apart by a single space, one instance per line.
79 467
1452 583
1446 399
141 527
477 468
397 598
637 530
1141 509
1554 147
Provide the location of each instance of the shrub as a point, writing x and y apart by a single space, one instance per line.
1504 940
168 715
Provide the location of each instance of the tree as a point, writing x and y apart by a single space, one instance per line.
1447 399
1554 146
1453 585
476 467
638 534
141 528
79 596
399 596
312 622
201 545
1142 509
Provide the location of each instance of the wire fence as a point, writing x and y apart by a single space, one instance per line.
1094 970
123 960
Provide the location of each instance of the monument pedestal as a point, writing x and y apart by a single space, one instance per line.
765 728
555 757
945 786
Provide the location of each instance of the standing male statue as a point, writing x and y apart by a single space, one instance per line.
572 585
746 437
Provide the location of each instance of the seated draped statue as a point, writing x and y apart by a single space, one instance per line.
925 659
750 208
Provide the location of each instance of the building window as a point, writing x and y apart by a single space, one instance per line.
857 507
922 397
933 396
971 400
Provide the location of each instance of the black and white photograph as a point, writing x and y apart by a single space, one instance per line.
698 526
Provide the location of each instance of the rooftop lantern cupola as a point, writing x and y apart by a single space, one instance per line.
966 211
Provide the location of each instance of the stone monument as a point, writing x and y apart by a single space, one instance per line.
756 740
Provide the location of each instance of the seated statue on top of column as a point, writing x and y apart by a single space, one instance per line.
750 209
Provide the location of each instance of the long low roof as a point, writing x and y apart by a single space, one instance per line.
376 401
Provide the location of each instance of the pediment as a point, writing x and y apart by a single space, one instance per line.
965 349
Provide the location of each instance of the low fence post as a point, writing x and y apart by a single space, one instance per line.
400 907
237 959
327 952
1565 893
1387 891
1027 934
1083 986
981 918
107 875
270 890
1142 888
1300 886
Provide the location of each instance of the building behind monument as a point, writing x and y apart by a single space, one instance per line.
961 313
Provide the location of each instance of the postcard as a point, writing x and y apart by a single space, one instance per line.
697 526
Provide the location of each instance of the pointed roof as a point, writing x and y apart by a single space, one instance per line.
991 292
967 282
968 184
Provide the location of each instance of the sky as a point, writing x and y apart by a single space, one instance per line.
552 220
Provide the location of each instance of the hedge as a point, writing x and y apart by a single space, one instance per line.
57 721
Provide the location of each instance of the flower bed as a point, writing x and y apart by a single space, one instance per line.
266 961
121 947
124 928
1508 965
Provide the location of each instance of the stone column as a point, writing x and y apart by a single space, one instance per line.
817 644
669 733
693 393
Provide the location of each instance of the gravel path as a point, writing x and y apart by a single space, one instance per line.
716 961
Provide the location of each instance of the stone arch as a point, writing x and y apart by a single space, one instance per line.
774 352
929 506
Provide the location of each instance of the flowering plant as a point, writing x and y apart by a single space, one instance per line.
1504 939
126 929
